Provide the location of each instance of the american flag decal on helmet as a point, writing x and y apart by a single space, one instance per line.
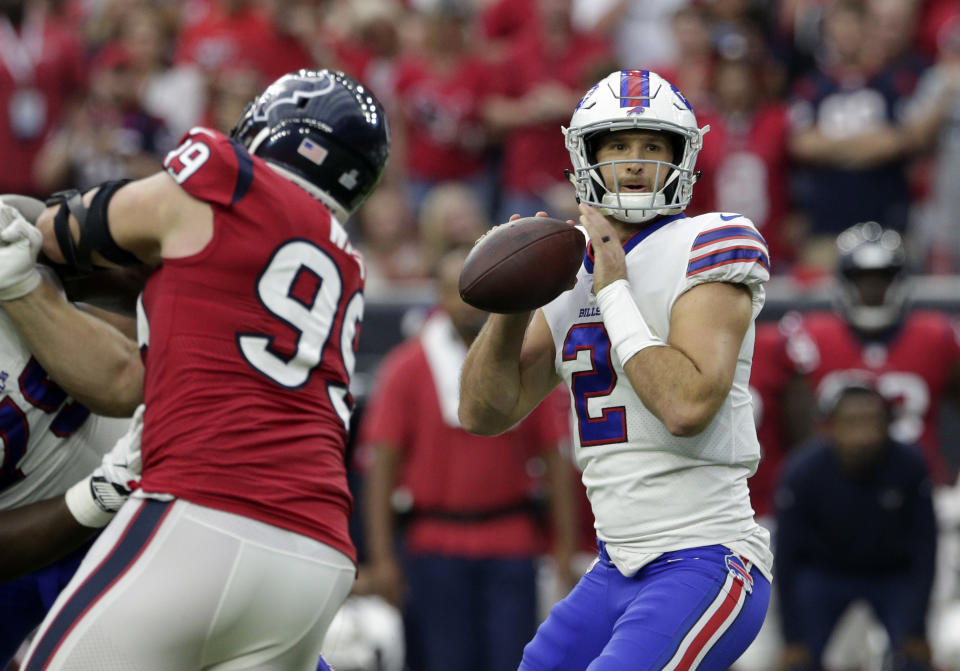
312 151
739 568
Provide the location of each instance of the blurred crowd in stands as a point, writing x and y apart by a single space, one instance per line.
823 113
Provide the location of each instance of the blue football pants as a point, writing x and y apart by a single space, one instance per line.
691 609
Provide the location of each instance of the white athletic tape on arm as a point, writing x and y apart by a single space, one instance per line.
84 507
626 327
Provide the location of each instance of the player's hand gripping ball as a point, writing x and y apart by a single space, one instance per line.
522 265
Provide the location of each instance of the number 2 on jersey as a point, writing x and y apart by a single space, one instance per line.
594 383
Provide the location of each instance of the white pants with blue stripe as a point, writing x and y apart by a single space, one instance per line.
691 609
174 585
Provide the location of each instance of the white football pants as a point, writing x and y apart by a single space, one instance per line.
173 585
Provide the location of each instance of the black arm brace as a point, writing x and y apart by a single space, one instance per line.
94 229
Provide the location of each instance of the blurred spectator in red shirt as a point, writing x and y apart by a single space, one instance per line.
935 15
41 72
174 93
364 39
782 408
546 71
507 19
109 136
744 157
244 32
440 88
471 534
502 22
295 25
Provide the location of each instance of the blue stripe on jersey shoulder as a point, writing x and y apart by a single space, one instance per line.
725 256
244 171
723 232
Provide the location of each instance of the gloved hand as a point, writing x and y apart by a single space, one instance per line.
20 243
95 499
30 208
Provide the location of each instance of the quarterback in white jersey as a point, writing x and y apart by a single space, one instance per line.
655 342
652 491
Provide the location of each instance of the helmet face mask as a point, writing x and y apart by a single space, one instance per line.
323 130
634 100
873 287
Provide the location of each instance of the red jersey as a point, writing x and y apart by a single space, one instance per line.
448 470
534 155
912 370
250 350
34 94
772 370
245 39
745 170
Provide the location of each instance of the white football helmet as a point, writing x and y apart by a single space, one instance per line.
632 99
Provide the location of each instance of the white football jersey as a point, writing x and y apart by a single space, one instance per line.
47 440
653 492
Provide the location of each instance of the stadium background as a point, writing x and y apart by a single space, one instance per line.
476 91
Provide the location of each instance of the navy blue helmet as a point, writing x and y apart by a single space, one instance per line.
873 280
322 129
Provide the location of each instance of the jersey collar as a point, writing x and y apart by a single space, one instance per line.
634 240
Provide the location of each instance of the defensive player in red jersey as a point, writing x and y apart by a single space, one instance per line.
235 552
779 393
912 357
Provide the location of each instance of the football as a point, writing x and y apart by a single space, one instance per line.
522 265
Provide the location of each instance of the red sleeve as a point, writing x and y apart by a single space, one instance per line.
210 167
385 420
546 428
